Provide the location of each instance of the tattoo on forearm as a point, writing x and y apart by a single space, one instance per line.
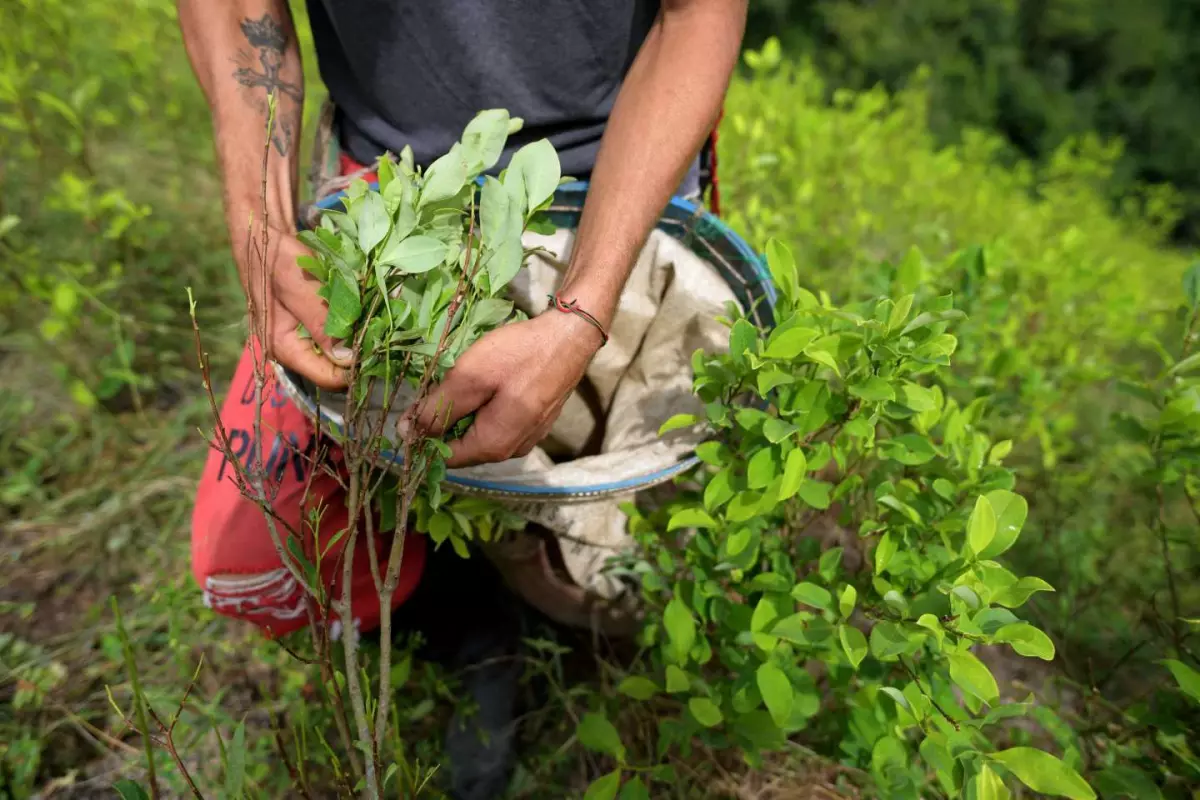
259 71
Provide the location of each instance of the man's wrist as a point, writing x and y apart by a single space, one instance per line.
574 332
598 300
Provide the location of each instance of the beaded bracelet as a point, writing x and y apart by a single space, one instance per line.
572 307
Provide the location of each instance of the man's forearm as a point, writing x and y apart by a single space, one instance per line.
244 51
666 108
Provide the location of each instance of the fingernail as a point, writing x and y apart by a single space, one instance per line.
341 353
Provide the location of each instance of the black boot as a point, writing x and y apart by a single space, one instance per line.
472 626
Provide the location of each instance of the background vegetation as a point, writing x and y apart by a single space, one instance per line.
991 174
1037 72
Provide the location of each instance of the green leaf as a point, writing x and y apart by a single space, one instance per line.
1019 592
853 643
899 312
764 613
823 358
1026 640
677 680
1044 773
793 474
932 624
344 307
373 221
691 518
415 254
967 595
898 696
637 687
788 343
129 790
761 469
1122 781
910 449
314 267
793 628
874 390
989 786
776 430
235 770
1000 451
494 214
744 506
931 317
604 787
713 453
830 562
1186 365
595 732
847 600
812 595
738 542
889 639
539 169
981 528
742 337
719 490
484 137
681 629
782 266
1187 678
445 177
771 377
776 691
884 551
66 298
706 712
503 263
634 789
972 676
1191 285
917 397
1010 512
816 493
678 421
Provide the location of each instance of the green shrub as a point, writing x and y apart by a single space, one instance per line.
1067 306
1062 297
837 416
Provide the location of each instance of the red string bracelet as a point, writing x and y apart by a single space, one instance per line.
572 307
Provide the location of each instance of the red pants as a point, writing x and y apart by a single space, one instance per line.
233 557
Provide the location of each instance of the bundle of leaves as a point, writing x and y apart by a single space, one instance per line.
414 271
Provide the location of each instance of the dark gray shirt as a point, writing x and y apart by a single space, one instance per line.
409 72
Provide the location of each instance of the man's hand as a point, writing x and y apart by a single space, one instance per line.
515 379
284 297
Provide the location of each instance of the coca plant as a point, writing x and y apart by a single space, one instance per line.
757 633
414 272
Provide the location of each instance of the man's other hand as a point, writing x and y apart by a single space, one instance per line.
515 380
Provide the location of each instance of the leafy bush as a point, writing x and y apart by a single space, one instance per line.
837 416
1067 304
1061 296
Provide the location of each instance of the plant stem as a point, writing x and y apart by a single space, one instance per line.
139 700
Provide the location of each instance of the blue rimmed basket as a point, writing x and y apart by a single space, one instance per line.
705 235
